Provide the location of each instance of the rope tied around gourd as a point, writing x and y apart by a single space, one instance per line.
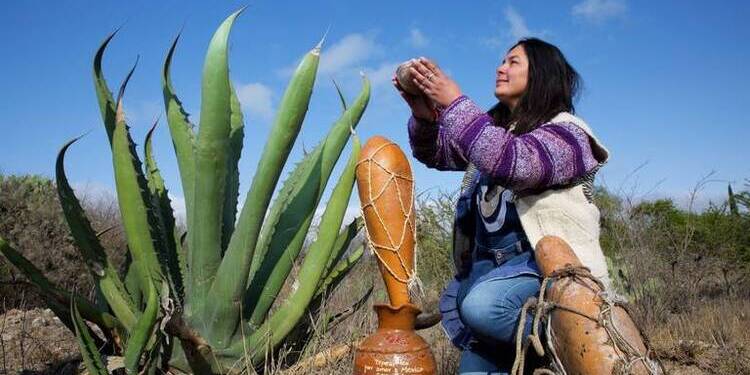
413 284
628 355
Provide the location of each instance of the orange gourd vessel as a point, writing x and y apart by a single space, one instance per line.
386 192
580 341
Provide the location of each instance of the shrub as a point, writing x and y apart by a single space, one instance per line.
30 216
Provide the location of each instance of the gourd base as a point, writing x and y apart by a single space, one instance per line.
395 347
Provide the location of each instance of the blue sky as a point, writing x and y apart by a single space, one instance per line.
666 83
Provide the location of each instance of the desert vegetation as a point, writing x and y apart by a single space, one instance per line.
684 272
205 298
114 283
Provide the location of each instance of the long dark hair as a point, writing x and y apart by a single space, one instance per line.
552 86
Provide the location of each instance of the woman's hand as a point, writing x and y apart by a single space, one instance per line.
421 107
437 86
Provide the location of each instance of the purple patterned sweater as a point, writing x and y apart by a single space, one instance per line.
553 154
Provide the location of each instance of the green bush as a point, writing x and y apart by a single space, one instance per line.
434 235
30 216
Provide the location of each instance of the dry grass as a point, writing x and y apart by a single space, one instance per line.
688 293
31 220
360 324
35 341
712 337
689 298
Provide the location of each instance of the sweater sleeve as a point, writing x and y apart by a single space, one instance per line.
553 154
427 146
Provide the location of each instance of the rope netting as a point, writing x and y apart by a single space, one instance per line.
628 355
404 273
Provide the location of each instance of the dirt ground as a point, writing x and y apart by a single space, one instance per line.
36 342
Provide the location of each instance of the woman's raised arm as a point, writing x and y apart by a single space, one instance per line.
553 154
425 142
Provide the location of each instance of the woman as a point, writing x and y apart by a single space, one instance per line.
529 167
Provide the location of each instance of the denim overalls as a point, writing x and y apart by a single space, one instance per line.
500 255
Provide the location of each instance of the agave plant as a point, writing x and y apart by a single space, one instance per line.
201 301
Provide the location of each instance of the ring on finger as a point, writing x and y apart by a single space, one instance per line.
429 77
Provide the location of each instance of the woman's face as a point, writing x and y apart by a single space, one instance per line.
512 77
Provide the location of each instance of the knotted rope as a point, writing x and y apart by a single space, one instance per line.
628 355
411 280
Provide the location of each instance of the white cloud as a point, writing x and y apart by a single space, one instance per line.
344 56
178 208
352 211
92 191
417 38
598 11
382 74
493 42
256 99
143 113
347 52
518 28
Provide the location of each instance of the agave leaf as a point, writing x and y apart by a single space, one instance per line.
102 271
297 195
211 155
181 130
138 218
236 135
341 95
89 352
283 320
341 131
133 284
291 214
143 331
337 273
58 299
330 150
233 273
343 241
165 219
103 95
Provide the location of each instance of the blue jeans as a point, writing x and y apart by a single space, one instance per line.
491 310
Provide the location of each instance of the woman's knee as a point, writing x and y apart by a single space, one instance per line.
477 309
492 308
